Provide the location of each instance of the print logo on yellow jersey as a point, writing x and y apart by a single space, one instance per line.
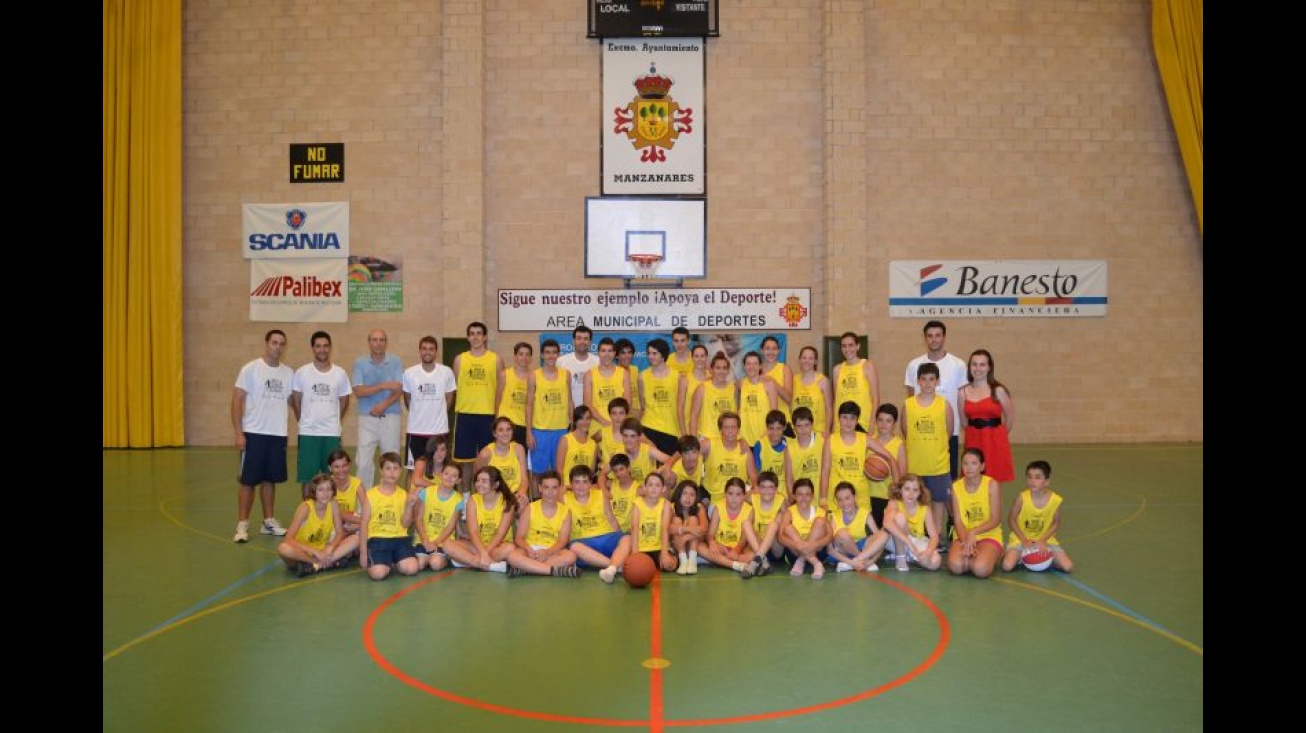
848 381
586 523
318 537
924 426
553 399
387 518
726 469
662 395
1034 526
751 400
436 521
477 373
724 404
809 466
648 532
974 515
607 394
848 463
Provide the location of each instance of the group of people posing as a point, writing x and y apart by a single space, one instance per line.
585 459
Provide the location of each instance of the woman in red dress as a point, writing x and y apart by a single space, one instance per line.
990 415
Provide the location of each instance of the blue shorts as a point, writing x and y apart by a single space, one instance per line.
471 433
263 460
940 487
604 544
544 454
389 550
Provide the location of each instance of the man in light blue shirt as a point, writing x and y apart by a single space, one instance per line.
378 385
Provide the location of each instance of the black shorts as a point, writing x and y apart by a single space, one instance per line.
389 550
665 442
263 460
471 433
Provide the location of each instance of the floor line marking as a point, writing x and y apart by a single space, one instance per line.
655 710
164 510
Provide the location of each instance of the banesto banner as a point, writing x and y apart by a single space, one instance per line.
657 309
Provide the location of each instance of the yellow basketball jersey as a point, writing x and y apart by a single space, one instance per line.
438 513
488 520
880 489
774 460
649 536
681 473
753 406
477 380
927 436
348 499
856 525
716 400
811 397
691 384
605 389
724 464
846 465
622 500
660 401
762 518
316 531
854 387
974 507
509 465
1034 521
730 530
806 462
386 519
545 531
512 404
777 373
587 519
550 409
915 522
578 453
803 524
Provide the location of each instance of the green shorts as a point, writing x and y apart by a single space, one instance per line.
313 452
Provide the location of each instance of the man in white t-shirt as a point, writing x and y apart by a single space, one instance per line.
428 391
319 397
952 375
259 416
579 361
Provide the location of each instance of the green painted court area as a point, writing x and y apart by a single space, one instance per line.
201 634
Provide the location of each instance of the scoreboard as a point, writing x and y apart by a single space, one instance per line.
652 18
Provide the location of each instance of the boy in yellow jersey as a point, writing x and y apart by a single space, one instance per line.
516 379
577 447
387 515
315 539
604 383
479 390
845 458
609 438
681 358
436 515
771 453
730 537
857 540
805 532
651 519
767 505
626 360
1034 519
977 506
806 452
548 408
621 489
926 426
597 539
726 456
543 533
856 380
644 457
686 463
886 432
662 393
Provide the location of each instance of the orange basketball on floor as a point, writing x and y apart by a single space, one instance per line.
639 570
875 467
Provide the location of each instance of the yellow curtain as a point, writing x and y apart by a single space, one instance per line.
142 310
1177 42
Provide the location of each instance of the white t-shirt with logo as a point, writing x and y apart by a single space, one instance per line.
267 395
319 399
428 411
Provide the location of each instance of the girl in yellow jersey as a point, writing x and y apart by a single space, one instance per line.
609 437
697 373
662 393
812 390
490 512
315 539
779 373
1034 519
767 506
911 523
604 383
516 380
757 397
713 399
508 456
387 513
730 537
976 512
577 447
856 380
688 530
428 466
543 533
726 457
347 489
857 541
650 518
436 516
805 531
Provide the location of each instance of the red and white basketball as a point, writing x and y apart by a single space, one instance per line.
1038 561
875 467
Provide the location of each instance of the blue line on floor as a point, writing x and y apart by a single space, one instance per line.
210 600
1111 602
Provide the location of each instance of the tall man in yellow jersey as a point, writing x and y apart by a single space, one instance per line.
478 393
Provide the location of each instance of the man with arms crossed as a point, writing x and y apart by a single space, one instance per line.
378 383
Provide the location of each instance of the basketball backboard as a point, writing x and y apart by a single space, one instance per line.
619 226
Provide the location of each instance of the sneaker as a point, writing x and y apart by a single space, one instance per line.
242 532
608 574
515 572
901 563
305 569
499 566
797 568
272 526
749 570
765 569
871 568
683 568
842 567
566 571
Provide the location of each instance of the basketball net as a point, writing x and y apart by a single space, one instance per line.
645 264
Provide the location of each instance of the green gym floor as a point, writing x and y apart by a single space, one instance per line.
201 634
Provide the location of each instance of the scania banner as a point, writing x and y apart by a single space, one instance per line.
295 231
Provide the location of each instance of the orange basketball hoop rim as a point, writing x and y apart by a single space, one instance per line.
645 264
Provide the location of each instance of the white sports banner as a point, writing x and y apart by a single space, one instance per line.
299 291
657 309
291 231
1001 288
653 116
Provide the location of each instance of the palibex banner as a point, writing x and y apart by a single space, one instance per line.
1002 288
299 261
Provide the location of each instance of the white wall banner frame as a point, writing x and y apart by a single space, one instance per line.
997 288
